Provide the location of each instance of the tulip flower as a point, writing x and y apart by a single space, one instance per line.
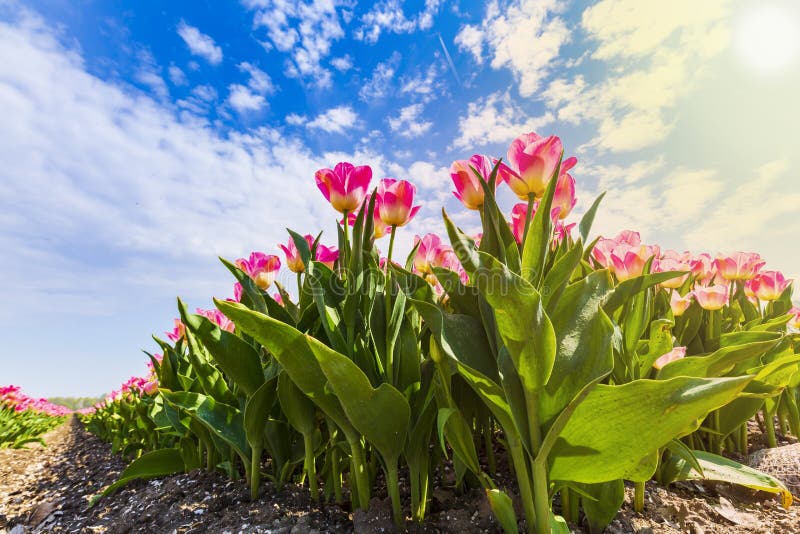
679 304
468 187
344 186
739 266
564 199
672 261
395 199
218 318
629 237
601 253
711 297
533 160
261 268
704 268
427 250
794 321
628 262
278 298
675 354
293 260
518 215
177 332
237 292
769 285
326 255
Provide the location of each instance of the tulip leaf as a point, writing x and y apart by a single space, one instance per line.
223 421
615 427
558 277
583 337
723 469
290 348
627 289
256 411
540 231
607 498
523 325
718 363
250 291
237 358
298 408
503 510
660 343
585 226
463 245
157 463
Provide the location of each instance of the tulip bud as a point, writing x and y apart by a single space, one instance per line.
344 186
739 266
534 160
711 297
679 304
396 199
769 285
675 354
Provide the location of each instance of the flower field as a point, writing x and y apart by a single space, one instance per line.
585 362
24 419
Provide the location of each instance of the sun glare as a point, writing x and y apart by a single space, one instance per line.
767 37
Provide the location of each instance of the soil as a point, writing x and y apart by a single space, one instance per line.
47 489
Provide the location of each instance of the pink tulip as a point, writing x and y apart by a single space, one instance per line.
468 187
794 322
396 198
426 256
534 160
293 260
627 262
564 199
711 297
672 261
261 268
237 292
601 253
344 186
675 354
278 298
769 285
518 214
177 332
326 255
218 318
679 304
629 237
704 268
739 265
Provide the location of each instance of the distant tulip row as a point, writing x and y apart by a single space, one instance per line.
587 363
12 396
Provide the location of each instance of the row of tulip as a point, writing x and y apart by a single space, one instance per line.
590 363
23 419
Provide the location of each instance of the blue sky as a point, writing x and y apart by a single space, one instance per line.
140 140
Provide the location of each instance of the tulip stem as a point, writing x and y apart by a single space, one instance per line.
299 287
528 214
391 247
346 224
638 497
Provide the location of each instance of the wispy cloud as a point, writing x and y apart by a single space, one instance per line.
379 84
495 119
388 16
409 123
200 44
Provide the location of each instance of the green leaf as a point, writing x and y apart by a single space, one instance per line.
583 337
615 427
524 326
237 358
256 412
558 277
250 291
627 289
718 363
585 225
303 250
660 343
607 499
158 463
290 348
540 231
225 422
298 408
723 469
451 424
463 245
503 510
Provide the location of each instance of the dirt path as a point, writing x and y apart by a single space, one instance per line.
47 489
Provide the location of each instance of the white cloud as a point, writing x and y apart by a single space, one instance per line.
389 16
495 119
177 76
242 99
259 81
200 44
524 36
295 120
303 30
154 81
342 64
408 123
380 82
423 86
199 100
335 120
653 55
